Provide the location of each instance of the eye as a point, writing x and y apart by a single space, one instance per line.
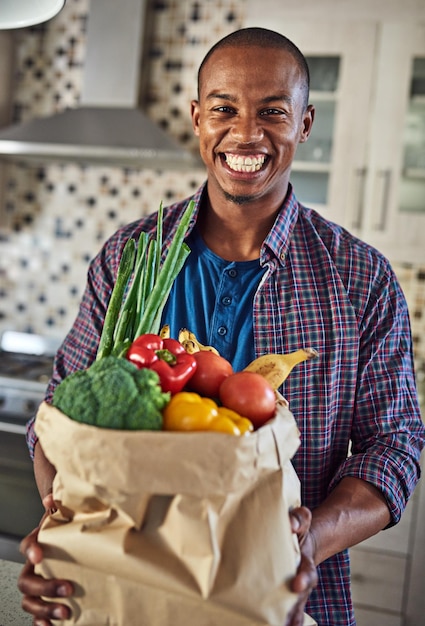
224 109
271 111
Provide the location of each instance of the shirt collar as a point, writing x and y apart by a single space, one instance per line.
277 241
198 199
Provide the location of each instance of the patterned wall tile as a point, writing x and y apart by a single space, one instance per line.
412 280
58 216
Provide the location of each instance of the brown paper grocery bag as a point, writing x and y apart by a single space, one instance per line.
161 528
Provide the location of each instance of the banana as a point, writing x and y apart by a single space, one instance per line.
276 367
164 333
191 344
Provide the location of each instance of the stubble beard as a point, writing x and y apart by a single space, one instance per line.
245 199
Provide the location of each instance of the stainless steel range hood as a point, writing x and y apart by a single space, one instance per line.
107 127
22 13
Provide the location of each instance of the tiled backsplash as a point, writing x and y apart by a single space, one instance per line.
57 216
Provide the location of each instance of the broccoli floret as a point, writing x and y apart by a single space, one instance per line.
74 397
113 393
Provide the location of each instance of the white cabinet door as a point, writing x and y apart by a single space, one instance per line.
328 173
377 580
369 617
394 219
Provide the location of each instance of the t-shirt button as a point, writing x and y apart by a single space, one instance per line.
222 330
233 273
226 300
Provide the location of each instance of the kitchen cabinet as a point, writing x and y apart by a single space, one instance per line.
394 218
364 163
6 69
387 571
331 162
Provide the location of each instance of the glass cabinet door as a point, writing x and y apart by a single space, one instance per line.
327 165
395 198
412 183
313 160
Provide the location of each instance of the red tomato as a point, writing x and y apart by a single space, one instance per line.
210 372
250 395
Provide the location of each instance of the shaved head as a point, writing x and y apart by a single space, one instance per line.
264 38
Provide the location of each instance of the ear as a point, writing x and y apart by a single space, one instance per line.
194 111
307 123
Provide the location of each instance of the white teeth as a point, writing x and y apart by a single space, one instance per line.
245 164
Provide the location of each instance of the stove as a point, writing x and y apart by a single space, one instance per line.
26 363
23 376
17 406
25 366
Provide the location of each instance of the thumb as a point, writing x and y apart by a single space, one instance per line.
49 503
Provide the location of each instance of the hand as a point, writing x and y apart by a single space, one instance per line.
305 579
34 586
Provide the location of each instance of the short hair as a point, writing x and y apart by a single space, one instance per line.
263 37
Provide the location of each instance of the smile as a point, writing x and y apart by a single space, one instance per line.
240 163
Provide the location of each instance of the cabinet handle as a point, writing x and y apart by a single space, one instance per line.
361 177
383 211
16 429
358 578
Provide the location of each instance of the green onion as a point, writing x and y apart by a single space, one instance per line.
125 269
173 262
140 310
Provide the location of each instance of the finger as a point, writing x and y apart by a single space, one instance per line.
300 520
31 548
296 619
43 611
48 501
49 504
32 584
302 582
296 615
305 580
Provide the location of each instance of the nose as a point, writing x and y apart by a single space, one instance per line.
247 129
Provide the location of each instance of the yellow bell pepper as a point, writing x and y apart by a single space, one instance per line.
187 411
243 423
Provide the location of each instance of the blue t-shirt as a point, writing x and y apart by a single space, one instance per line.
213 298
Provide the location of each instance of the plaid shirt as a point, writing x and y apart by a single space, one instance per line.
325 289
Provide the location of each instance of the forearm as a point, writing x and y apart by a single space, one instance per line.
44 471
354 511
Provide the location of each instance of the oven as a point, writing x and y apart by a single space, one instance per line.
25 367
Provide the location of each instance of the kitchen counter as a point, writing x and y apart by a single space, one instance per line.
11 613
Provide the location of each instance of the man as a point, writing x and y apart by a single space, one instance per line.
272 276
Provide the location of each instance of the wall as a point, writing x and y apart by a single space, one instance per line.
56 217
343 10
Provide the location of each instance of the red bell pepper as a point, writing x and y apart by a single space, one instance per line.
166 357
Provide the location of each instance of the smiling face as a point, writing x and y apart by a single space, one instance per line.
249 118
